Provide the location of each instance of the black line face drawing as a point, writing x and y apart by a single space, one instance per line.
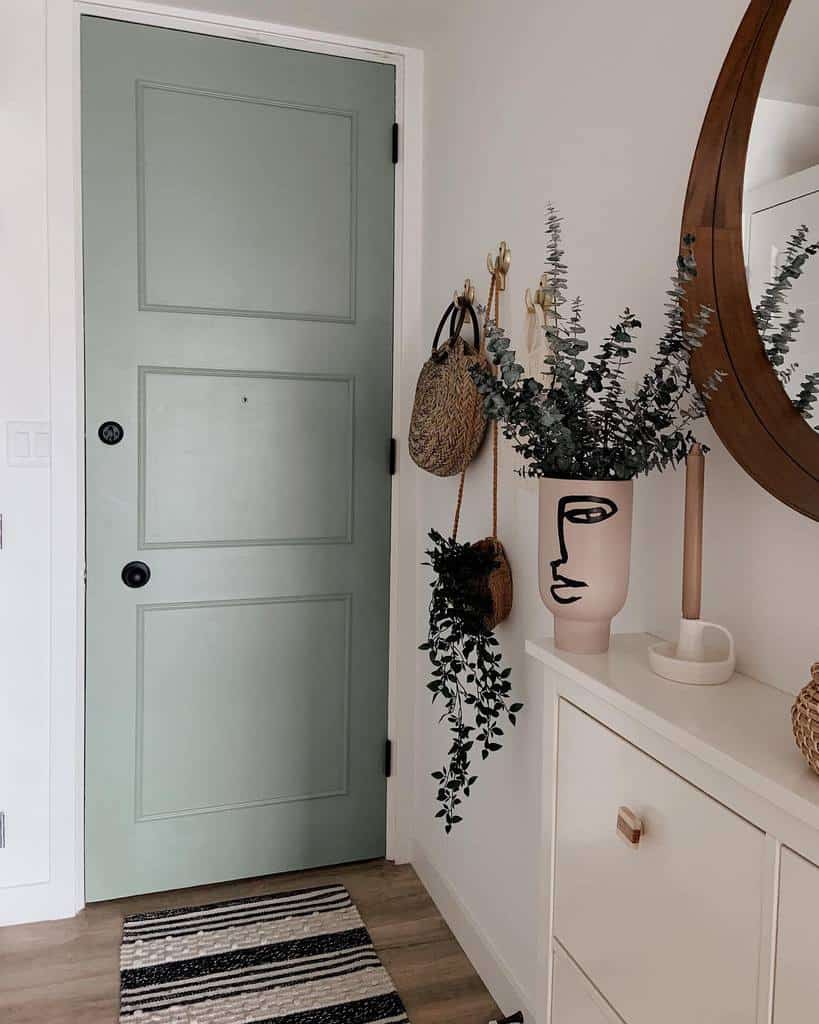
580 510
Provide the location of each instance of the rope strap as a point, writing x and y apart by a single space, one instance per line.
494 293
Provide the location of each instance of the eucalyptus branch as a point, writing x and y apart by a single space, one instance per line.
587 424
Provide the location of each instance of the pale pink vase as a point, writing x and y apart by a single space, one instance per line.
584 558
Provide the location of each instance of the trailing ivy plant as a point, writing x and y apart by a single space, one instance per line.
585 422
779 326
467 672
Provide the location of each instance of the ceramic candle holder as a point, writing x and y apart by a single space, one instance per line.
690 660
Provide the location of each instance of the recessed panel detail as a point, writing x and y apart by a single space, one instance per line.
235 458
247 205
241 703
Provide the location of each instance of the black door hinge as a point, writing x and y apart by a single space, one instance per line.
395 143
393 456
388 759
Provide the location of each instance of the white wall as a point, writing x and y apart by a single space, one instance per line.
784 140
24 492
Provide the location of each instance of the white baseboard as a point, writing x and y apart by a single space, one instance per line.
26 904
479 948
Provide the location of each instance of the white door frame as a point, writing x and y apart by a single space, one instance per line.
65 893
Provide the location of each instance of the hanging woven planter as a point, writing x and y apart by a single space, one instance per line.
496 586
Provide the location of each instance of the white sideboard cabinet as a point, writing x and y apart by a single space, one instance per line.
681 883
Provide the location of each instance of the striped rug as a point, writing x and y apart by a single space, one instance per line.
301 957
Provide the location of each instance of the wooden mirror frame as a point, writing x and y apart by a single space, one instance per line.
751 411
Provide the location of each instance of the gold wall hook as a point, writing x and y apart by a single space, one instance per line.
542 296
467 295
499 264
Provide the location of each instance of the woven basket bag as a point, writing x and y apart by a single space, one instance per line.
805 718
448 420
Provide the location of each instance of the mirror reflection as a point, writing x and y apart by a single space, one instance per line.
781 209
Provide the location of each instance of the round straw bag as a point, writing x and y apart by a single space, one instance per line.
448 420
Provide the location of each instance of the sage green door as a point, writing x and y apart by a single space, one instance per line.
238 267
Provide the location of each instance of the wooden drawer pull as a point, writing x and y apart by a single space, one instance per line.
629 826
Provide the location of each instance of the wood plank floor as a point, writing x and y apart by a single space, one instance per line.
67 972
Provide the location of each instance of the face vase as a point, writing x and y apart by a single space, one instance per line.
584 558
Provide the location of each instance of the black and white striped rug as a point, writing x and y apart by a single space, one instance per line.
300 957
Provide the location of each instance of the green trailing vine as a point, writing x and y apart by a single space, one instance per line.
468 676
586 423
779 326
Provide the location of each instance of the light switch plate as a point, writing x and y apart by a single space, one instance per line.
28 444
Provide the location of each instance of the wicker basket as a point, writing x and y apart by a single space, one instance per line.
805 718
448 420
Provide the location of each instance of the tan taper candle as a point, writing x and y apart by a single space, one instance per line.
692 538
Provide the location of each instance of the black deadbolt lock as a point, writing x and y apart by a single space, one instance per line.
110 432
136 574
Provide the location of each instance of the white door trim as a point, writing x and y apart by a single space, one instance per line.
63 895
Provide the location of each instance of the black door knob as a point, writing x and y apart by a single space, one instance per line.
110 432
135 574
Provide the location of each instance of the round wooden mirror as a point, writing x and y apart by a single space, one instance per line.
755 411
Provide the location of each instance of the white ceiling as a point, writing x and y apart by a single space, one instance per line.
793 73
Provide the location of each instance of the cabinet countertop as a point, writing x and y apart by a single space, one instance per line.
742 728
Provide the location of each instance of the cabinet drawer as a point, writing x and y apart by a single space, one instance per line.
797 980
668 929
574 1001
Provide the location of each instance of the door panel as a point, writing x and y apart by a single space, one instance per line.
202 430
205 690
213 221
238 250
